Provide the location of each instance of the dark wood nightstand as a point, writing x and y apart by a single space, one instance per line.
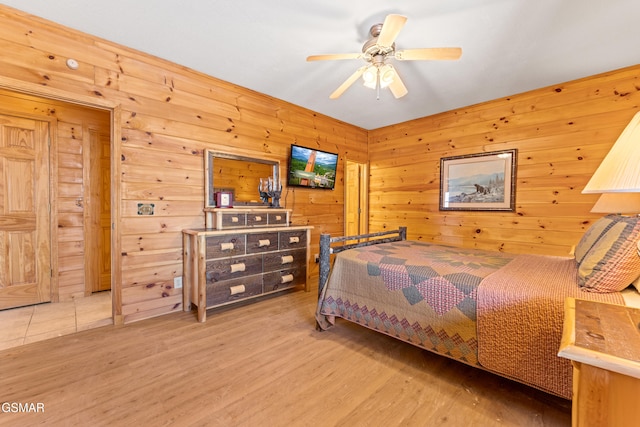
603 343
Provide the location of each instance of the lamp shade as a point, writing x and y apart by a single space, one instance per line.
619 172
620 203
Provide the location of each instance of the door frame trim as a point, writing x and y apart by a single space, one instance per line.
115 111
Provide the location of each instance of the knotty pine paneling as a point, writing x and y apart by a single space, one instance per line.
168 116
562 133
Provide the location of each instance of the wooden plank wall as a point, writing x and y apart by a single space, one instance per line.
562 133
169 115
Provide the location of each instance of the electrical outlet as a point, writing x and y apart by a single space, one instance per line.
316 257
177 282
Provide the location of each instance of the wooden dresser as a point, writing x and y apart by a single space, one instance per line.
603 343
224 266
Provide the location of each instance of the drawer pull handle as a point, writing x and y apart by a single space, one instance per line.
235 219
278 217
264 242
294 239
287 278
226 246
287 259
238 267
237 289
258 218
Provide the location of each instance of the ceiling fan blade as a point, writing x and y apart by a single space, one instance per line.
344 86
390 29
331 57
397 88
429 53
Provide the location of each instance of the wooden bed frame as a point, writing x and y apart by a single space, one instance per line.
362 240
522 288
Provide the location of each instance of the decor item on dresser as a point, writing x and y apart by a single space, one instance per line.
224 199
312 168
497 311
479 182
269 189
222 267
239 176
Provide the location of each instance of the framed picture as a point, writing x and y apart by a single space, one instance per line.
479 182
224 199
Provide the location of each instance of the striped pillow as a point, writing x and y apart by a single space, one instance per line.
611 261
590 237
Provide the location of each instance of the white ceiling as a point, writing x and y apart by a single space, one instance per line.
509 46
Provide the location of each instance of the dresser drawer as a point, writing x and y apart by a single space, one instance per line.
282 279
230 268
262 242
277 218
233 290
285 259
293 239
256 219
225 246
233 219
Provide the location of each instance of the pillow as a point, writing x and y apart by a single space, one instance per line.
636 283
590 237
612 261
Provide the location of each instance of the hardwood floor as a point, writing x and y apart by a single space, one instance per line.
261 364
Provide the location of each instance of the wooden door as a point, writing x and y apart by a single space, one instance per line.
356 213
97 212
25 221
104 266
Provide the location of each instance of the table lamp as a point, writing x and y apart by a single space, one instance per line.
618 176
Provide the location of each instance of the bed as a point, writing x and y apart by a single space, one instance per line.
497 311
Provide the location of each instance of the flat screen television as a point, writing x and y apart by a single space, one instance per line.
312 168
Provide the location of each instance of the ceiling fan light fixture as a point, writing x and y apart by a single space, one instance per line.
387 74
370 77
378 75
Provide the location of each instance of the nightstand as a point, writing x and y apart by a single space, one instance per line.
603 343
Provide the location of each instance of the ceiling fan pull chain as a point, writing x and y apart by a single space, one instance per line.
378 83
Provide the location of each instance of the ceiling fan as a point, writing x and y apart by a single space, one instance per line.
378 73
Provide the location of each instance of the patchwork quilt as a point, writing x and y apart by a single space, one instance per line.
418 292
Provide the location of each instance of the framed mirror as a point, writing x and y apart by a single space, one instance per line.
237 175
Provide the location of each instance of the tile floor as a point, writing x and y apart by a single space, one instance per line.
24 325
